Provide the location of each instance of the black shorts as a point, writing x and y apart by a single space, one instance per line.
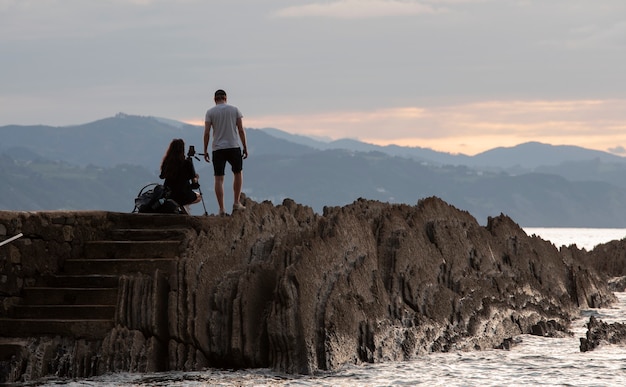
232 155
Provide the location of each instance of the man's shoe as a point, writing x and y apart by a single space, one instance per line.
238 206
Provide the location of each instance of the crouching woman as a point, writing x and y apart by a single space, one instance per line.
179 175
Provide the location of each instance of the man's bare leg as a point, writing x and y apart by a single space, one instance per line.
237 185
219 192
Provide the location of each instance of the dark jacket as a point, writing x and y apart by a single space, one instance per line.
180 183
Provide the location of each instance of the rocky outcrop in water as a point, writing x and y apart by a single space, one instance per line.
609 261
617 284
286 288
600 332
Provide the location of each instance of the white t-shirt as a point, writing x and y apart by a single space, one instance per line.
223 118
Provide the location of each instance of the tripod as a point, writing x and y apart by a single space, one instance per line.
190 156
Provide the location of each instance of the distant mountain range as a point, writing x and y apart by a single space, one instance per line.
103 164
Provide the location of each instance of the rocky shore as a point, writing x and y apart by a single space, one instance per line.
285 288
609 260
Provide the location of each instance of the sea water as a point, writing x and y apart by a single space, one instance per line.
586 238
535 361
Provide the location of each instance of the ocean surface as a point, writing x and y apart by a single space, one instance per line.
586 238
535 361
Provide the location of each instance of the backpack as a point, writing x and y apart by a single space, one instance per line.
154 198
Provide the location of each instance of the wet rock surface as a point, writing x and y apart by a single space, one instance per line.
609 260
600 332
286 288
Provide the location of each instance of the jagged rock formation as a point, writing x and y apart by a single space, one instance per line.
609 260
599 332
286 288
617 284
368 282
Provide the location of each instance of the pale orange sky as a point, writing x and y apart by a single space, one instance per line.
468 128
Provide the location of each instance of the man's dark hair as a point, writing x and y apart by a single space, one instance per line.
220 94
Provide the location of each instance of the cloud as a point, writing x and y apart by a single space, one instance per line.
71 20
611 36
356 9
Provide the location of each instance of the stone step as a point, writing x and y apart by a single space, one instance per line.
66 312
152 220
80 302
118 266
148 234
79 281
80 329
69 296
130 249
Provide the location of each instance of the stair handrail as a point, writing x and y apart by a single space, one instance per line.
11 239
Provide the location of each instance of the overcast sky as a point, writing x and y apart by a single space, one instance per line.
458 76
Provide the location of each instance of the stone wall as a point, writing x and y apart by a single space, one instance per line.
48 239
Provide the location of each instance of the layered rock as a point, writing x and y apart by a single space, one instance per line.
286 288
282 287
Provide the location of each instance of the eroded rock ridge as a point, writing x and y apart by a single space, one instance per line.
286 288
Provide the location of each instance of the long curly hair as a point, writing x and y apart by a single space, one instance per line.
173 159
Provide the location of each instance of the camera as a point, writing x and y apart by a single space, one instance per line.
192 151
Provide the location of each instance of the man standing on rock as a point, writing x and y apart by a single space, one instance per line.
227 124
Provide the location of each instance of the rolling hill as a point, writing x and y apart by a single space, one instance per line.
103 164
